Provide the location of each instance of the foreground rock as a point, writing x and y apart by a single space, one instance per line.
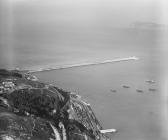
33 110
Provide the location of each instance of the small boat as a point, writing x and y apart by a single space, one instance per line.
108 131
113 90
152 89
125 86
139 90
150 81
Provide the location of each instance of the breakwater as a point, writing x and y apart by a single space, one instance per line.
83 64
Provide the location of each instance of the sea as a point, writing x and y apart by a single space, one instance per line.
127 96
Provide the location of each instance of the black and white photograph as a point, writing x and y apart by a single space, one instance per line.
83 70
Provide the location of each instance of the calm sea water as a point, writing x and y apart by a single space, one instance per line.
32 48
136 115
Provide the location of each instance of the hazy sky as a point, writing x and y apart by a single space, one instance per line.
110 13
28 20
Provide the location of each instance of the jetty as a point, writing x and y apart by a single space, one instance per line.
83 64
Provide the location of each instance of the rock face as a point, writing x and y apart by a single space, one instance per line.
33 110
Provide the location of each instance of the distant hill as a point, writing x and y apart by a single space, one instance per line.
149 25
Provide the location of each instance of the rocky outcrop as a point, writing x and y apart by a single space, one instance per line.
33 110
